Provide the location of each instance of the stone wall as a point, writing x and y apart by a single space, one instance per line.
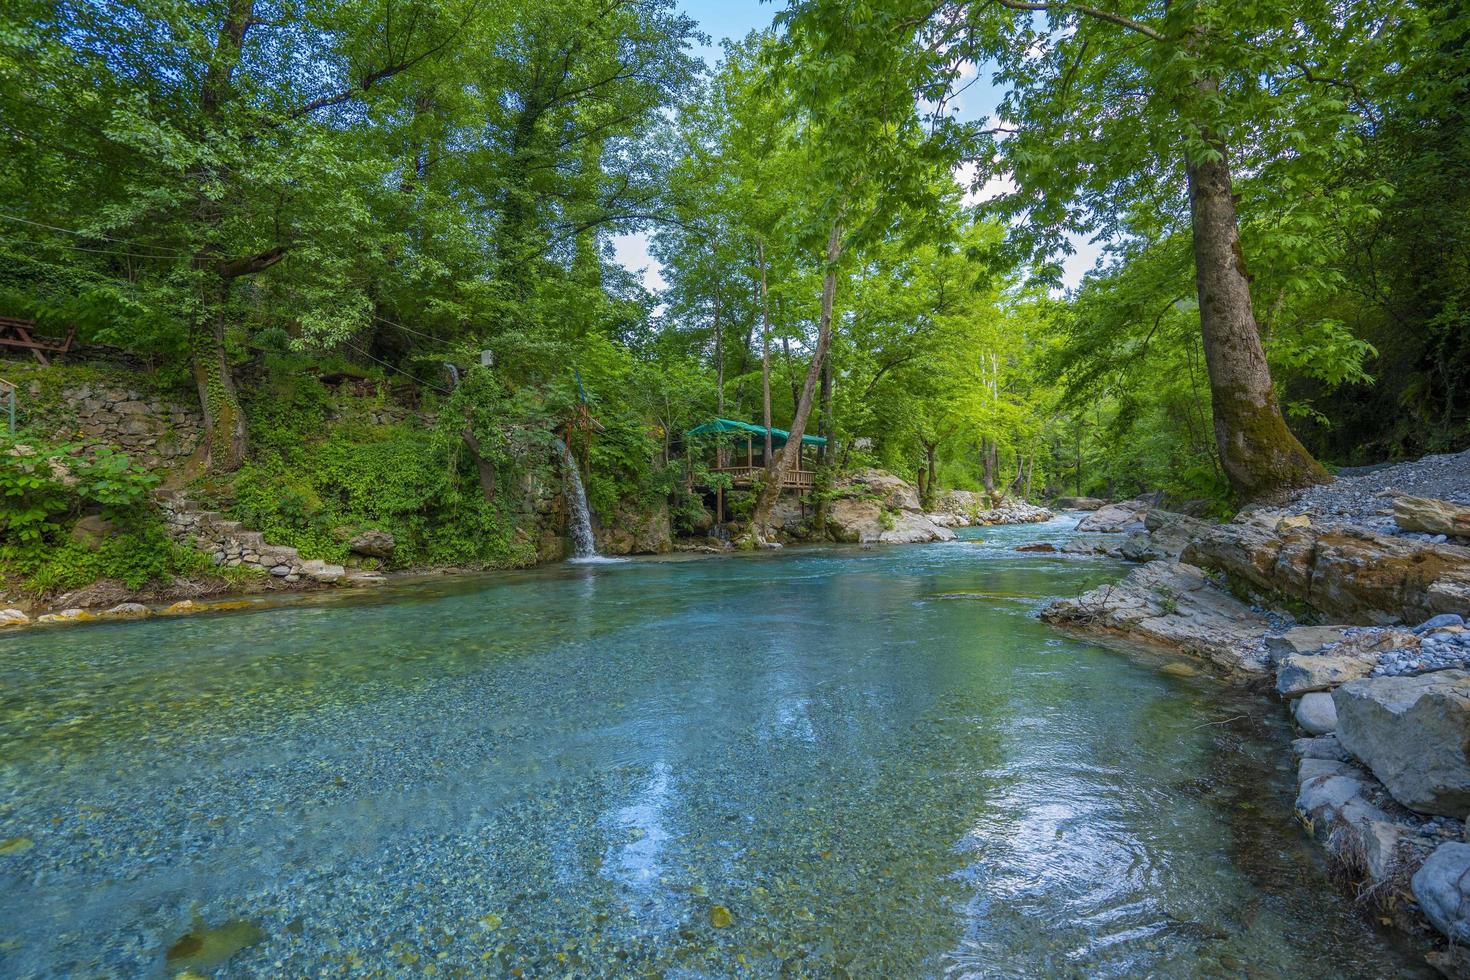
230 545
154 431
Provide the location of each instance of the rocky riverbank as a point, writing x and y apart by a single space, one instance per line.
872 506
1351 601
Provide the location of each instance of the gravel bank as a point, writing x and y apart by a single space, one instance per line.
1367 499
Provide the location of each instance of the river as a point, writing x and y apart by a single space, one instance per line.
822 761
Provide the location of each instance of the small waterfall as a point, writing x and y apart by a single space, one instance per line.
583 542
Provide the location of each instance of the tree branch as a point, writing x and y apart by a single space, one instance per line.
1093 12
249 265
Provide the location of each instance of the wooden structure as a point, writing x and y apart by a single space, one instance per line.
748 472
17 333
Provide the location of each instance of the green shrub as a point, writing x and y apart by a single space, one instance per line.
45 487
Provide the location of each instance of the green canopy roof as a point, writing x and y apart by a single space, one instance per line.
778 436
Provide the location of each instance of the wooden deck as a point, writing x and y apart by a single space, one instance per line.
746 476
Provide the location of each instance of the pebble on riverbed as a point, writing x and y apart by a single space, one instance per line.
1441 643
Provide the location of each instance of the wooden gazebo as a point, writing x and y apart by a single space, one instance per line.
747 473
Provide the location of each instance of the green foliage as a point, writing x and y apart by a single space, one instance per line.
138 554
43 485
322 472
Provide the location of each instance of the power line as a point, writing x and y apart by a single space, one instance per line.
400 326
91 234
83 248
391 367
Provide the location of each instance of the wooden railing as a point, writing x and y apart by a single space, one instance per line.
747 475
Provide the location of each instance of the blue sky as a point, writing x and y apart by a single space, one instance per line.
734 19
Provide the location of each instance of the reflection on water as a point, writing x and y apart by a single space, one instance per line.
582 770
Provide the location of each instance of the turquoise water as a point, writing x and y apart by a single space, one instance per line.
825 762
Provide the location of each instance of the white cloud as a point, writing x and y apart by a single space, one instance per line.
994 187
1079 262
631 252
1074 266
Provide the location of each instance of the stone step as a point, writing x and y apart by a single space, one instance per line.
322 571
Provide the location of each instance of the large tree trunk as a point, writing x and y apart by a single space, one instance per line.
1259 454
765 358
770 492
928 476
225 435
988 454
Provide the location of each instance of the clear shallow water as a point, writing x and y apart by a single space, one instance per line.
868 763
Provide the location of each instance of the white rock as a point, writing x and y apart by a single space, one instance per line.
1316 713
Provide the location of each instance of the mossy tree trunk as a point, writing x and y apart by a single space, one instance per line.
1259 454
770 491
225 435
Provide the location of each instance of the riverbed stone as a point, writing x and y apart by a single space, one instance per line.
1117 518
1414 734
1315 713
1311 768
127 610
1174 605
1299 675
1320 747
1305 639
1442 621
1429 516
1442 888
13 617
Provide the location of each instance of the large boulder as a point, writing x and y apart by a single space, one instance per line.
633 528
1173 605
1298 675
1165 537
1079 503
866 521
374 544
1432 516
1414 733
1128 515
1442 888
891 491
1346 573
92 531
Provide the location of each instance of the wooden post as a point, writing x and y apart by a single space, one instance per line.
749 452
719 506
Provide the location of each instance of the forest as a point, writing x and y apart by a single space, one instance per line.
254 203
735 488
